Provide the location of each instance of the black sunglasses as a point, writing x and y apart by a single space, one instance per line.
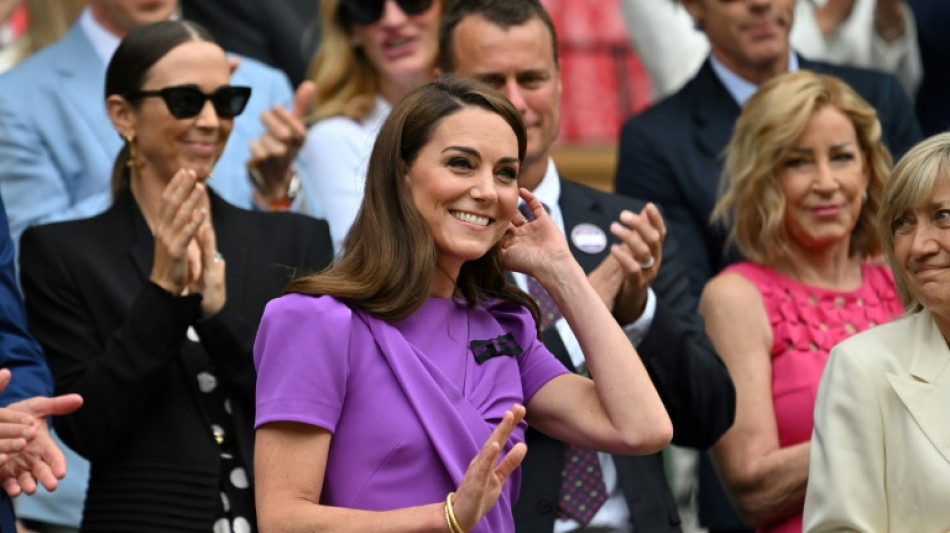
186 101
365 12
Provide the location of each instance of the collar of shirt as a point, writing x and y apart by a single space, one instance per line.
740 88
103 41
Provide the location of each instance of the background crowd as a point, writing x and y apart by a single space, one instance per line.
705 217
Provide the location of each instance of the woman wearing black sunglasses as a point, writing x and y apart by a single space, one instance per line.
372 53
138 308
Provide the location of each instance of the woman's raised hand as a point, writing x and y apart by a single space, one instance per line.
485 476
530 247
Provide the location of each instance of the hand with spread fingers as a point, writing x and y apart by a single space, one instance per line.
486 475
29 455
274 152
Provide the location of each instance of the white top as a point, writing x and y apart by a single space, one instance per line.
614 513
672 49
335 156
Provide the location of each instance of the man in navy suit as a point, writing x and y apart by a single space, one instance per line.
621 244
672 153
23 396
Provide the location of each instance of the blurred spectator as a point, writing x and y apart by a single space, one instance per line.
271 31
878 34
802 184
372 54
933 97
47 21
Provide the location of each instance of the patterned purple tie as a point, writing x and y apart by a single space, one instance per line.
583 491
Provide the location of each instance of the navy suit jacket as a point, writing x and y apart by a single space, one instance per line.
672 154
18 350
691 379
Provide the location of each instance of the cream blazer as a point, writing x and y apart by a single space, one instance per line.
880 451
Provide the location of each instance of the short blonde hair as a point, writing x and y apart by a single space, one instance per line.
751 199
912 184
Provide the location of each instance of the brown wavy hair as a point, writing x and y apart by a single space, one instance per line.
389 258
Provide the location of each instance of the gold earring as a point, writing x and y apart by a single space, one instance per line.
133 161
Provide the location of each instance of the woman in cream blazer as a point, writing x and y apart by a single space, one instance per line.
880 453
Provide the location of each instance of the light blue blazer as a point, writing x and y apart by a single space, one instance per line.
57 145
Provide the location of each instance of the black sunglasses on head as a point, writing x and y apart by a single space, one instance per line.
365 12
186 101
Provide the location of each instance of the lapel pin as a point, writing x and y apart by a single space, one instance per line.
589 238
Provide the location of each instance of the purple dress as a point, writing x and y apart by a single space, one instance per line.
407 402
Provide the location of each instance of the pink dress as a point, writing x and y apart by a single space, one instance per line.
806 323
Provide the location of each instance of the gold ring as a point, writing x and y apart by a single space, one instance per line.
524 221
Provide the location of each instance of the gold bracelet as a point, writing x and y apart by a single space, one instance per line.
454 526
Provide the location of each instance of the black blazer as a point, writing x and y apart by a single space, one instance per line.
120 341
690 378
672 154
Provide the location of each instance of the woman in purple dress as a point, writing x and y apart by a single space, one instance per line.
392 387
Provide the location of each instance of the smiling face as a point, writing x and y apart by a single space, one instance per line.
164 143
750 37
823 177
519 63
402 48
464 184
922 251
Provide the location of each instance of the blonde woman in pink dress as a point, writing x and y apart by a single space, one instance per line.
802 183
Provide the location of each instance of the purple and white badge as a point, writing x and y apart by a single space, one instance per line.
589 238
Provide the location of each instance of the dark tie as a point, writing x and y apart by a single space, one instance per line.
582 481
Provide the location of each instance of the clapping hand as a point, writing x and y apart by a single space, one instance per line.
639 255
186 257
